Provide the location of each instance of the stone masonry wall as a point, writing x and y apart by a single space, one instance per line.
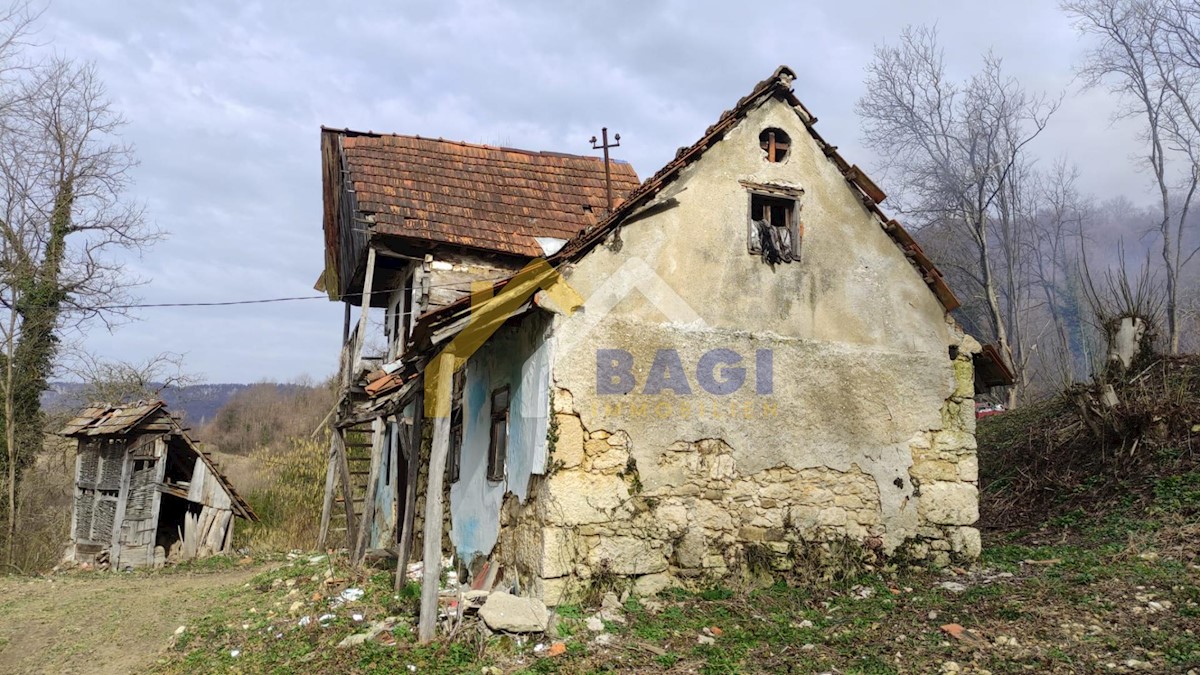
590 515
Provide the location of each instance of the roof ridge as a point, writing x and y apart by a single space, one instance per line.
483 146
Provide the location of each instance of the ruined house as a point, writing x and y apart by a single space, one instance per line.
145 493
743 357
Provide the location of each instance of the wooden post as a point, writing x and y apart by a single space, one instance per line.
327 506
368 281
410 444
444 364
339 449
368 514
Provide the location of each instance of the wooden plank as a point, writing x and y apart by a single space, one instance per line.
160 471
365 307
114 552
427 625
364 525
327 505
347 487
411 446
216 536
228 547
189 536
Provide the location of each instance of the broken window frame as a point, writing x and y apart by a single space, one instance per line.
454 460
788 197
498 434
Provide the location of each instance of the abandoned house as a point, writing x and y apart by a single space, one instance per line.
145 493
741 354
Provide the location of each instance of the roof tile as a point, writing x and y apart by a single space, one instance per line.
484 197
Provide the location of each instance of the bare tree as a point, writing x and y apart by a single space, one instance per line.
958 152
63 215
1148 51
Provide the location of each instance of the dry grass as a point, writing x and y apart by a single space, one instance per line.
285 484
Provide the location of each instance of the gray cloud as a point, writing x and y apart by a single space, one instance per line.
225 99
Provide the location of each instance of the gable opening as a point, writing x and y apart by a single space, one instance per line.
775 142
774 229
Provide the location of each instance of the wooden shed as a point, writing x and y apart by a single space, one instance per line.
145 493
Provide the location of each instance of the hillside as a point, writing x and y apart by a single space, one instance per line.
198 403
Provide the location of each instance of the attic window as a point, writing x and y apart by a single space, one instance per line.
775 143
775 230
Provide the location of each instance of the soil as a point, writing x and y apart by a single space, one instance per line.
100 622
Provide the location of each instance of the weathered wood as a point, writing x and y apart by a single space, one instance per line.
365 307
368 517
444 365
327 504
228 546
189 536
347 487
410 445
119 518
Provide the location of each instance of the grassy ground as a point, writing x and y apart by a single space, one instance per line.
1115 594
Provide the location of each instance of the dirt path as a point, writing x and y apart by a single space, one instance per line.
101 623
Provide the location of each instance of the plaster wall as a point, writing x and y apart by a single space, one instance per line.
858 379
518 357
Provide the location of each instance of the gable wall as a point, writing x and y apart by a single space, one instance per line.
862 387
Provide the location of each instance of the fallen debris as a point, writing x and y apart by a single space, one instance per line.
510 614
370 634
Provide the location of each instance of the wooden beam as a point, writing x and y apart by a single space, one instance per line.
411 446
365 308
427 626
327 505
368 516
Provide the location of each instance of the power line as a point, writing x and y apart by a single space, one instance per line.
262 301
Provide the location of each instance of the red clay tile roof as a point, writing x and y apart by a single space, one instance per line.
479 196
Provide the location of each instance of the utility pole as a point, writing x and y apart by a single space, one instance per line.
607 171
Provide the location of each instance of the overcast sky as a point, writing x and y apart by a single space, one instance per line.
225 100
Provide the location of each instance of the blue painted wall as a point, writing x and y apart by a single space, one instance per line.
519 357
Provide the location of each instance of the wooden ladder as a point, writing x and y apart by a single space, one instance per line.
355 441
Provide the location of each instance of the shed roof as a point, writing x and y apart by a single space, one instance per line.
100 419
478 196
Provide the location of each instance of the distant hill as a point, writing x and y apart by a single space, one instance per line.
197 403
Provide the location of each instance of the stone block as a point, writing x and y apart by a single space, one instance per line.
558 552
964 379
953 441
949 503
965 542
968 468
569 448
652 584
628 556
511 614
564 401
926 470
577 498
